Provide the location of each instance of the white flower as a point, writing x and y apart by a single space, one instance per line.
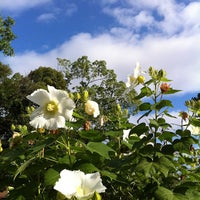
78 184
136 77
92 108
54 108
195 130
126 134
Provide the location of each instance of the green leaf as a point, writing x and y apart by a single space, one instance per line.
183 144
164 103
92 135
109 174
50 177
163 193
167 135
195 122
100 148
193 194
153 123
88 168
172 91
145 106
145 91
146 167
167 163
139 129
23 167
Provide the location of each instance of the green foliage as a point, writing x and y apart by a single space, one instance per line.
44 76
100 82
153 162
6 36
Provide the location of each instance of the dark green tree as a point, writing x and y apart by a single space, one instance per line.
6 36
44 76
13 102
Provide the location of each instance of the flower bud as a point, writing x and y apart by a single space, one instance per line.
87 126
19 127
41 130
78 96
13 127
119 108
141 79
164 87
183 115
71 95
162 74
126 112
85 95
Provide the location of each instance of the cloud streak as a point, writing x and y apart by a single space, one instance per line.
21 5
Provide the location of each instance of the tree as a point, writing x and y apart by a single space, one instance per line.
6 36
13 102
101 83
44 76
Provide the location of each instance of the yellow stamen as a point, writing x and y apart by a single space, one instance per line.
51 107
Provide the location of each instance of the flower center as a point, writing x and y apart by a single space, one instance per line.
51 107
80 191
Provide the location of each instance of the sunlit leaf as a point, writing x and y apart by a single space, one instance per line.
100 148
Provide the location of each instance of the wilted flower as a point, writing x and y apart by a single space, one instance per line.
87 125
136 77
92 108
183 115
55 107
164 87
78 184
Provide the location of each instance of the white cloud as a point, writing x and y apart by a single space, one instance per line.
19 5
179 56
46 17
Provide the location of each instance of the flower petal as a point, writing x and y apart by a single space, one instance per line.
57 94
68 183
94 182
39 97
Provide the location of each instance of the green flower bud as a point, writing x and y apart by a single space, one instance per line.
13 127
85 95
78 96
119 108
141 79
161 74
71 95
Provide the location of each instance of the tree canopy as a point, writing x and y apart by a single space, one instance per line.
6 36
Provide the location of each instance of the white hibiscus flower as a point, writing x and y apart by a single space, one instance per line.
78 184
92 108
136 77
55 107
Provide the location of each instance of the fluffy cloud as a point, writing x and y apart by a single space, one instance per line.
19 5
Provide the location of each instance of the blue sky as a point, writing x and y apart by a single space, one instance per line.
160 33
